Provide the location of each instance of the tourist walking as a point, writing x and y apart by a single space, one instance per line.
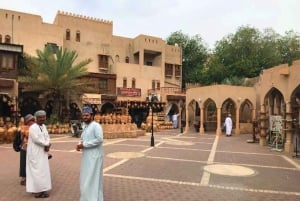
91 171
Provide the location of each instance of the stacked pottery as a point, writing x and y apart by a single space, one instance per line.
11 130
2 130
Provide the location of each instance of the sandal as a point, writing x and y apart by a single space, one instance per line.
23 182
41 195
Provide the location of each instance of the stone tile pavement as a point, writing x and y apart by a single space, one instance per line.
181 167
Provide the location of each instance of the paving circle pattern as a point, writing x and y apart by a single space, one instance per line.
125 155
229 170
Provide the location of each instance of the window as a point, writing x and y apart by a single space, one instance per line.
127 59
78 36
153 84
68 34
124 82
7 39
103 84
0 38
117 58
177 71
103 61
168 69
7 61
133 83
149 63
158 85
54 47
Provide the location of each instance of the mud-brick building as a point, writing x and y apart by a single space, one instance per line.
10 56
273 101
125 71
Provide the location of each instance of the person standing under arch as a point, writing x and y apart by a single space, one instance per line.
228 125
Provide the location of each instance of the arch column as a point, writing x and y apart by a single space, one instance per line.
253 114
219 123
288 145
202 120
263 119
237 120
187 120
180 114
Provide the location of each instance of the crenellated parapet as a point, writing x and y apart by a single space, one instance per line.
84 17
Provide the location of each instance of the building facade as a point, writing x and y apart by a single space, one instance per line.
273 102
123 69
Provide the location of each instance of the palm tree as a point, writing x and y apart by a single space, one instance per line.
53 74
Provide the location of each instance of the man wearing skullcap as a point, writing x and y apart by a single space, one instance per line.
228 125
91 144
38 180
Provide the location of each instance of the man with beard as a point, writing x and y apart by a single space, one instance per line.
38 178
91 144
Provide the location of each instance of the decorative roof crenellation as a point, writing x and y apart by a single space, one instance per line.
84 17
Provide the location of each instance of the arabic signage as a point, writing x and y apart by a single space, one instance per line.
91 99
128 92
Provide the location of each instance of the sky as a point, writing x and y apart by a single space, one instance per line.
210 19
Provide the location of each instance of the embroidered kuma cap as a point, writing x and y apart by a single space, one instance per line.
87 109
28 118
40 113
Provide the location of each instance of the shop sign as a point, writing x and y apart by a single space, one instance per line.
128 91
91 99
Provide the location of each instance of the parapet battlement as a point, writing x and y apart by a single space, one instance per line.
84 17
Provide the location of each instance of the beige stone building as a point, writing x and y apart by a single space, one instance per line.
127 70
123 69
274 101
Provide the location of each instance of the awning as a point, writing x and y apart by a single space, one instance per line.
91 99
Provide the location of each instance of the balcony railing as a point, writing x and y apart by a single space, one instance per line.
167 91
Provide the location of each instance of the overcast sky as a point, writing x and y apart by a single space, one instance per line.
211 19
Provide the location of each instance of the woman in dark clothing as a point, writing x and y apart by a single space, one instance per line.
28 121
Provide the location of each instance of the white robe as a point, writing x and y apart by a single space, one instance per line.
91 172
38 178
228 124
175 120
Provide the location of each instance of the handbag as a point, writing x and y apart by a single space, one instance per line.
223 128
17 141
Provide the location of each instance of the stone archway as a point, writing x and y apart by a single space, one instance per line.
228 107
295 116
210 116
75 113
246 117
107 108
192 120
274 104
246 112
5 106
29 105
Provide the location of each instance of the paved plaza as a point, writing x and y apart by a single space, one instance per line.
181 167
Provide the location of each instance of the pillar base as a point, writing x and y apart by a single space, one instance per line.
262 141
288 147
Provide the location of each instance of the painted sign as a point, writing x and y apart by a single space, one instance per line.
128 91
